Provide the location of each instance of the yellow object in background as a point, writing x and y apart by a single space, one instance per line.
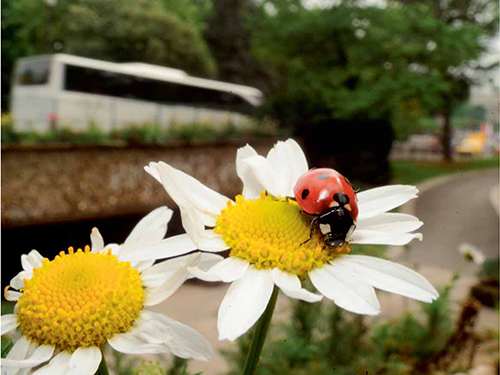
473 144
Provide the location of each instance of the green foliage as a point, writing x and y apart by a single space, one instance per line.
126 365
325 339
469 116
147 133
193 12
490 268
230 38
7 345
412 172
138 30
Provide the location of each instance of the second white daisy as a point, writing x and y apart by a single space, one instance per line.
68 308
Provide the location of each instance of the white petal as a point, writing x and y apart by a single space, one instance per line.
279 157
202 275
11 295
363 236
20 349
132 343
264 173
31 260
57 365
17 281
376 201
96 240
244 302
9 323
40 355
142 265
157 274
114 247
204 239
298 161
181 340
289 162
208 260
346 289
151 169
389 276
211 241
229 269
167 288
251 186
390 223
290 285
150 230
84 361
167 248
186 191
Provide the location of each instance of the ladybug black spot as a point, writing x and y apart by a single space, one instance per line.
323 176
305 193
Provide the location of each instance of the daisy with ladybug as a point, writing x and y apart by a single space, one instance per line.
329 197
291 224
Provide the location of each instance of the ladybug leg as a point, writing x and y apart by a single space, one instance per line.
313 224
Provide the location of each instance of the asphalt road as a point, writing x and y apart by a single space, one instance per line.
455 212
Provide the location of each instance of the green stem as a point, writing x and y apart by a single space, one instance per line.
103 367
259 336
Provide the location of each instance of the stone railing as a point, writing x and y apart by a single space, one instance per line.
56 183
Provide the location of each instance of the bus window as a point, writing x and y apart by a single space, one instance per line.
33 72
101 82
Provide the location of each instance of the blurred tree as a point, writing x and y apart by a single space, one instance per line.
193 12
19 39
230 39
456 37
468 116
134 30
138 30
343 72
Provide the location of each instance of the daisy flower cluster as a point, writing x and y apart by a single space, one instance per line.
67 309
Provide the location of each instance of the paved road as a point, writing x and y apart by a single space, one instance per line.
454 212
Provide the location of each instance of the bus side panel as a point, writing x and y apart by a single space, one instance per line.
240 120
129 111
185 115
216 119
31 109
78 111
166 116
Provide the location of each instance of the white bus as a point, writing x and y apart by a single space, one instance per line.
63 90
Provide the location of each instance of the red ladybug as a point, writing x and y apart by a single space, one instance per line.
328 196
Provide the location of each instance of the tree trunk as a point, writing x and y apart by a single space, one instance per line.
446 137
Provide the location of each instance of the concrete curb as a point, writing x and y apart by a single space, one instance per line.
410 208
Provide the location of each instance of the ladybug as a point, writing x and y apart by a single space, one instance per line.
328 196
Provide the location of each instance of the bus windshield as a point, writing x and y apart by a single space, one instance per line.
33 72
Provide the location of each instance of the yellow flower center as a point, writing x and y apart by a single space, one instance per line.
269 232
80 299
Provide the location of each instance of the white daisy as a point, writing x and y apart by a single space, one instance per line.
265 234
68 308
471 253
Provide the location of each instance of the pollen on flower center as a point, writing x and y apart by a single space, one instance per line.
80 299
268 233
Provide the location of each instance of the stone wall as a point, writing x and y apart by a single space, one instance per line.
56 183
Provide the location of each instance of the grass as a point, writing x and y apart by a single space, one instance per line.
411 172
